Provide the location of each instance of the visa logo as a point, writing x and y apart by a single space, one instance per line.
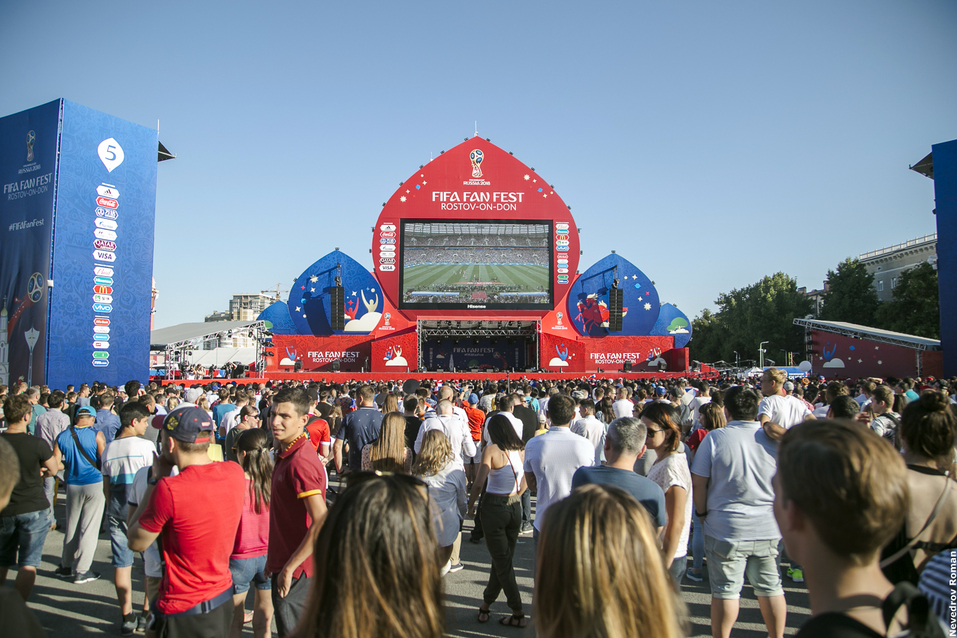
104 255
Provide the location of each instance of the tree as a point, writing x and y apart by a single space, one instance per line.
763 311
849 294
915 308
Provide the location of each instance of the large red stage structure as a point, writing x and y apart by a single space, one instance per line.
475 271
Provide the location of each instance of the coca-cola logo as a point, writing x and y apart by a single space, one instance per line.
106 201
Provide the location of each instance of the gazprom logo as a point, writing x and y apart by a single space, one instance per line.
102 307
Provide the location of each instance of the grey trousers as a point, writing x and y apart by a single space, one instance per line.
84 511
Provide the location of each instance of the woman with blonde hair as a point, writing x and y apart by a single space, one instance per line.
391 404
435 465
388 453
600 572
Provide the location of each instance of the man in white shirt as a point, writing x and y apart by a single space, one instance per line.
454 428
505 406
703 398
591 428
623 406
778 410
552 458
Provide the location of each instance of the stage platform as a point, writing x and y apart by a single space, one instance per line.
344 377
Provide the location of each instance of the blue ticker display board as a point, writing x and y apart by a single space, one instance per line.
100 255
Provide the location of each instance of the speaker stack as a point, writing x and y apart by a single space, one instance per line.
615 297
337 306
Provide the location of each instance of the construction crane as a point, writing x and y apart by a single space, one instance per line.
277 292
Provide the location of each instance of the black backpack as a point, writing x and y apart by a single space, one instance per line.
922 622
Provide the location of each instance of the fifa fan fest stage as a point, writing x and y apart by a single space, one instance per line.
476 262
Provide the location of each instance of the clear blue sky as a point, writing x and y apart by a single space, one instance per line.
710 143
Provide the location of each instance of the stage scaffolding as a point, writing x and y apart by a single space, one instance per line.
474 329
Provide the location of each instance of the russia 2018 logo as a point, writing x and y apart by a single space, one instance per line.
35 287
477 157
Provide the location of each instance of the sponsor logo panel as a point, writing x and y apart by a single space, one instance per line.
106 212
101 321
103 298
104 255
108 224
100 363
386 267
99 233
102 307
101 355
106 202
103 271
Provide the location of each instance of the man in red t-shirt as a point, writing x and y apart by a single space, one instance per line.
297 508
318 430
197 512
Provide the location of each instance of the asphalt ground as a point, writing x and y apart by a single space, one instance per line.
65 609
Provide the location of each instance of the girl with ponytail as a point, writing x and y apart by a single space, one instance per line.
248 561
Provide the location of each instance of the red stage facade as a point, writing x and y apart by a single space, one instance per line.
475 270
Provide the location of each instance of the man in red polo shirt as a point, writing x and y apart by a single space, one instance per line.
297 508
197 512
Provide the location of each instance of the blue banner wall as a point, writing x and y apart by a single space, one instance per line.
102 250
28 165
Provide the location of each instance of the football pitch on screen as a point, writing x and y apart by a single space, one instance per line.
448 276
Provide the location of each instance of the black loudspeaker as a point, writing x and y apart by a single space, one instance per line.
626 366
614 309
298 365
337 307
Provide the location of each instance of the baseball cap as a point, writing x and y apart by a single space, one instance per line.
660 391
789 386
86 411
193 394
188 424
473 399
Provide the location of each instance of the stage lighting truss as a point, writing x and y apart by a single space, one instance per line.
430 329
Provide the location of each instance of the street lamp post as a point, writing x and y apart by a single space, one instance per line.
761 354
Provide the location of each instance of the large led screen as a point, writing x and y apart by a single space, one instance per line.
475 265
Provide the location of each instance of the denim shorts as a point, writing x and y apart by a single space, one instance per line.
23 534
119 543
249 570
728 561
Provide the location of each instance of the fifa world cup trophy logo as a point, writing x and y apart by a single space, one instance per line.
559 317
477 156
31 138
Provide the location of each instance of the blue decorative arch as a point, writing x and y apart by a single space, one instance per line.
589 296
277 319
309 299
673 323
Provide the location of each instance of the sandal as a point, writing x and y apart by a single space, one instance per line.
247 617
513 621
483 615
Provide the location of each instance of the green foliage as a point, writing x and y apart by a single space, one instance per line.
850 295
764 311
915 308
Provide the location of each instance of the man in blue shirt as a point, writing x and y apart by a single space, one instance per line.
624 445
107 422
360 428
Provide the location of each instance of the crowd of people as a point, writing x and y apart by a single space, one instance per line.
468 256
226 488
